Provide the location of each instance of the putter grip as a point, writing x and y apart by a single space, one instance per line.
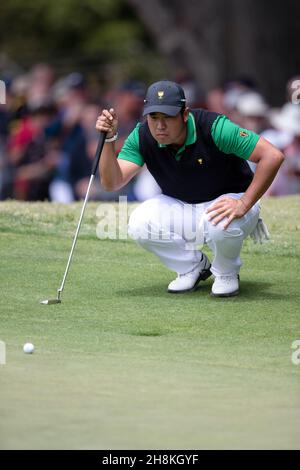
98 152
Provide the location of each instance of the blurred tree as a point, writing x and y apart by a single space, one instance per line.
211 40
188 32
214 40
85 34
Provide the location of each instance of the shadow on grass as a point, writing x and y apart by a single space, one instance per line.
148 333
249 290
260 290
160 290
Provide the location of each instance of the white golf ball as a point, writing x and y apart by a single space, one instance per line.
28 348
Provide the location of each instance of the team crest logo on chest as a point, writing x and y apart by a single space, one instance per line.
200 161
243 134
160 94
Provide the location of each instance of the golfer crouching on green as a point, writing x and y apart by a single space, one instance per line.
209 193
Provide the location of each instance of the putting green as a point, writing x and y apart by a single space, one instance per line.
122 364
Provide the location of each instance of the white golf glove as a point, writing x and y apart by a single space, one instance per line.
260 233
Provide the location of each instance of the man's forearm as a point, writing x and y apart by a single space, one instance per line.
110 172
265 173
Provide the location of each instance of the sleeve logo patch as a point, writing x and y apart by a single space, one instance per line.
244 134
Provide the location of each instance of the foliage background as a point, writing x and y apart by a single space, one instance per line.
211 40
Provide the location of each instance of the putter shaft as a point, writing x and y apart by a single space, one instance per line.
75 237
94 169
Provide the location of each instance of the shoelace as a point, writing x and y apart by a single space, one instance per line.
191 273
184 275
226 279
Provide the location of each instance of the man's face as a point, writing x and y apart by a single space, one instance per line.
168 130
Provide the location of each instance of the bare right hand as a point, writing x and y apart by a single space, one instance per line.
107 122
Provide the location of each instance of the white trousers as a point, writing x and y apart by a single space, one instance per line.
175 231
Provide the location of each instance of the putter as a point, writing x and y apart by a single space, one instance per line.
94 169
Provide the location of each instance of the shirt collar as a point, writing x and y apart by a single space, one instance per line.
191 134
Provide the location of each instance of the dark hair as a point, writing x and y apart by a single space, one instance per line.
183 109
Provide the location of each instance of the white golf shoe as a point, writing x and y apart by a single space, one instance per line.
225 286
189 281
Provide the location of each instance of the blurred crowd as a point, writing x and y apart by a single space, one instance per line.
48 138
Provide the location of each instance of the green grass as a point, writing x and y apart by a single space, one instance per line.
123 364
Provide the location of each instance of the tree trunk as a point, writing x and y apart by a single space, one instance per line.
214 40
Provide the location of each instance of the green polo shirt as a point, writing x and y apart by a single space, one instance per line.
228 137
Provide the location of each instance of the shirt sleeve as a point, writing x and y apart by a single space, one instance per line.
233 139
131 148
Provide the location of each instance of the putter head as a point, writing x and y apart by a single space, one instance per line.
53 301
50 301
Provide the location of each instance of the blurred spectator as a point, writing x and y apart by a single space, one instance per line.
5 174
277 134
241 103
82 175
34 162
287 181
70 134
48 140
224 98
128 101
74 122
233 90
194 95
215 100
5 118
252 109
40 80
